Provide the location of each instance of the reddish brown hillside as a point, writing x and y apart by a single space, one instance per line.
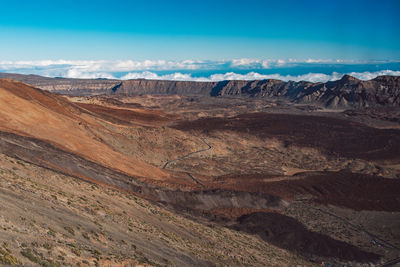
31 112
124 115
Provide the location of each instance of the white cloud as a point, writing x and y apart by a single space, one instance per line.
148 69
371 75
76 73
313 60
311 77
177 76
109 65
62 66
245 62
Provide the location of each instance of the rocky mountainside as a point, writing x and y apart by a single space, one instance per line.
344 93
349 91
142 86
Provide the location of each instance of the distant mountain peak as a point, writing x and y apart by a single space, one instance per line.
348 78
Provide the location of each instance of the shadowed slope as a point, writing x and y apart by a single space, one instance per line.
351 190
330 135
285 232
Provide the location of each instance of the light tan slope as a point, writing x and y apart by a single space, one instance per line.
62 220
35 113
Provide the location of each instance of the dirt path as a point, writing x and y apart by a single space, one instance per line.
188 155
194 179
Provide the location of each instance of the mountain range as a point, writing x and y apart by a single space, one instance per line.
348 92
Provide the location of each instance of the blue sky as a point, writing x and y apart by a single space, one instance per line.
176 30
317 40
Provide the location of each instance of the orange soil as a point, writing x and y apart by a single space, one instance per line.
31 112
126 116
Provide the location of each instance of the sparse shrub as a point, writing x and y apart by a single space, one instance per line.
20 163
7 258
69 230
62 193
76 251
51 232
94 233
35 257
48 246
86 235
95 252
28 253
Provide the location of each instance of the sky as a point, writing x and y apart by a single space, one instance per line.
198 39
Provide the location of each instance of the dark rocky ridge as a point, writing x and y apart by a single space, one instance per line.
344 93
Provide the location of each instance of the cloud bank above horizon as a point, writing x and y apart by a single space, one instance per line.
313 70
310 77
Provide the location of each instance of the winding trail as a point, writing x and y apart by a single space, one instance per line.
190 154
194 179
